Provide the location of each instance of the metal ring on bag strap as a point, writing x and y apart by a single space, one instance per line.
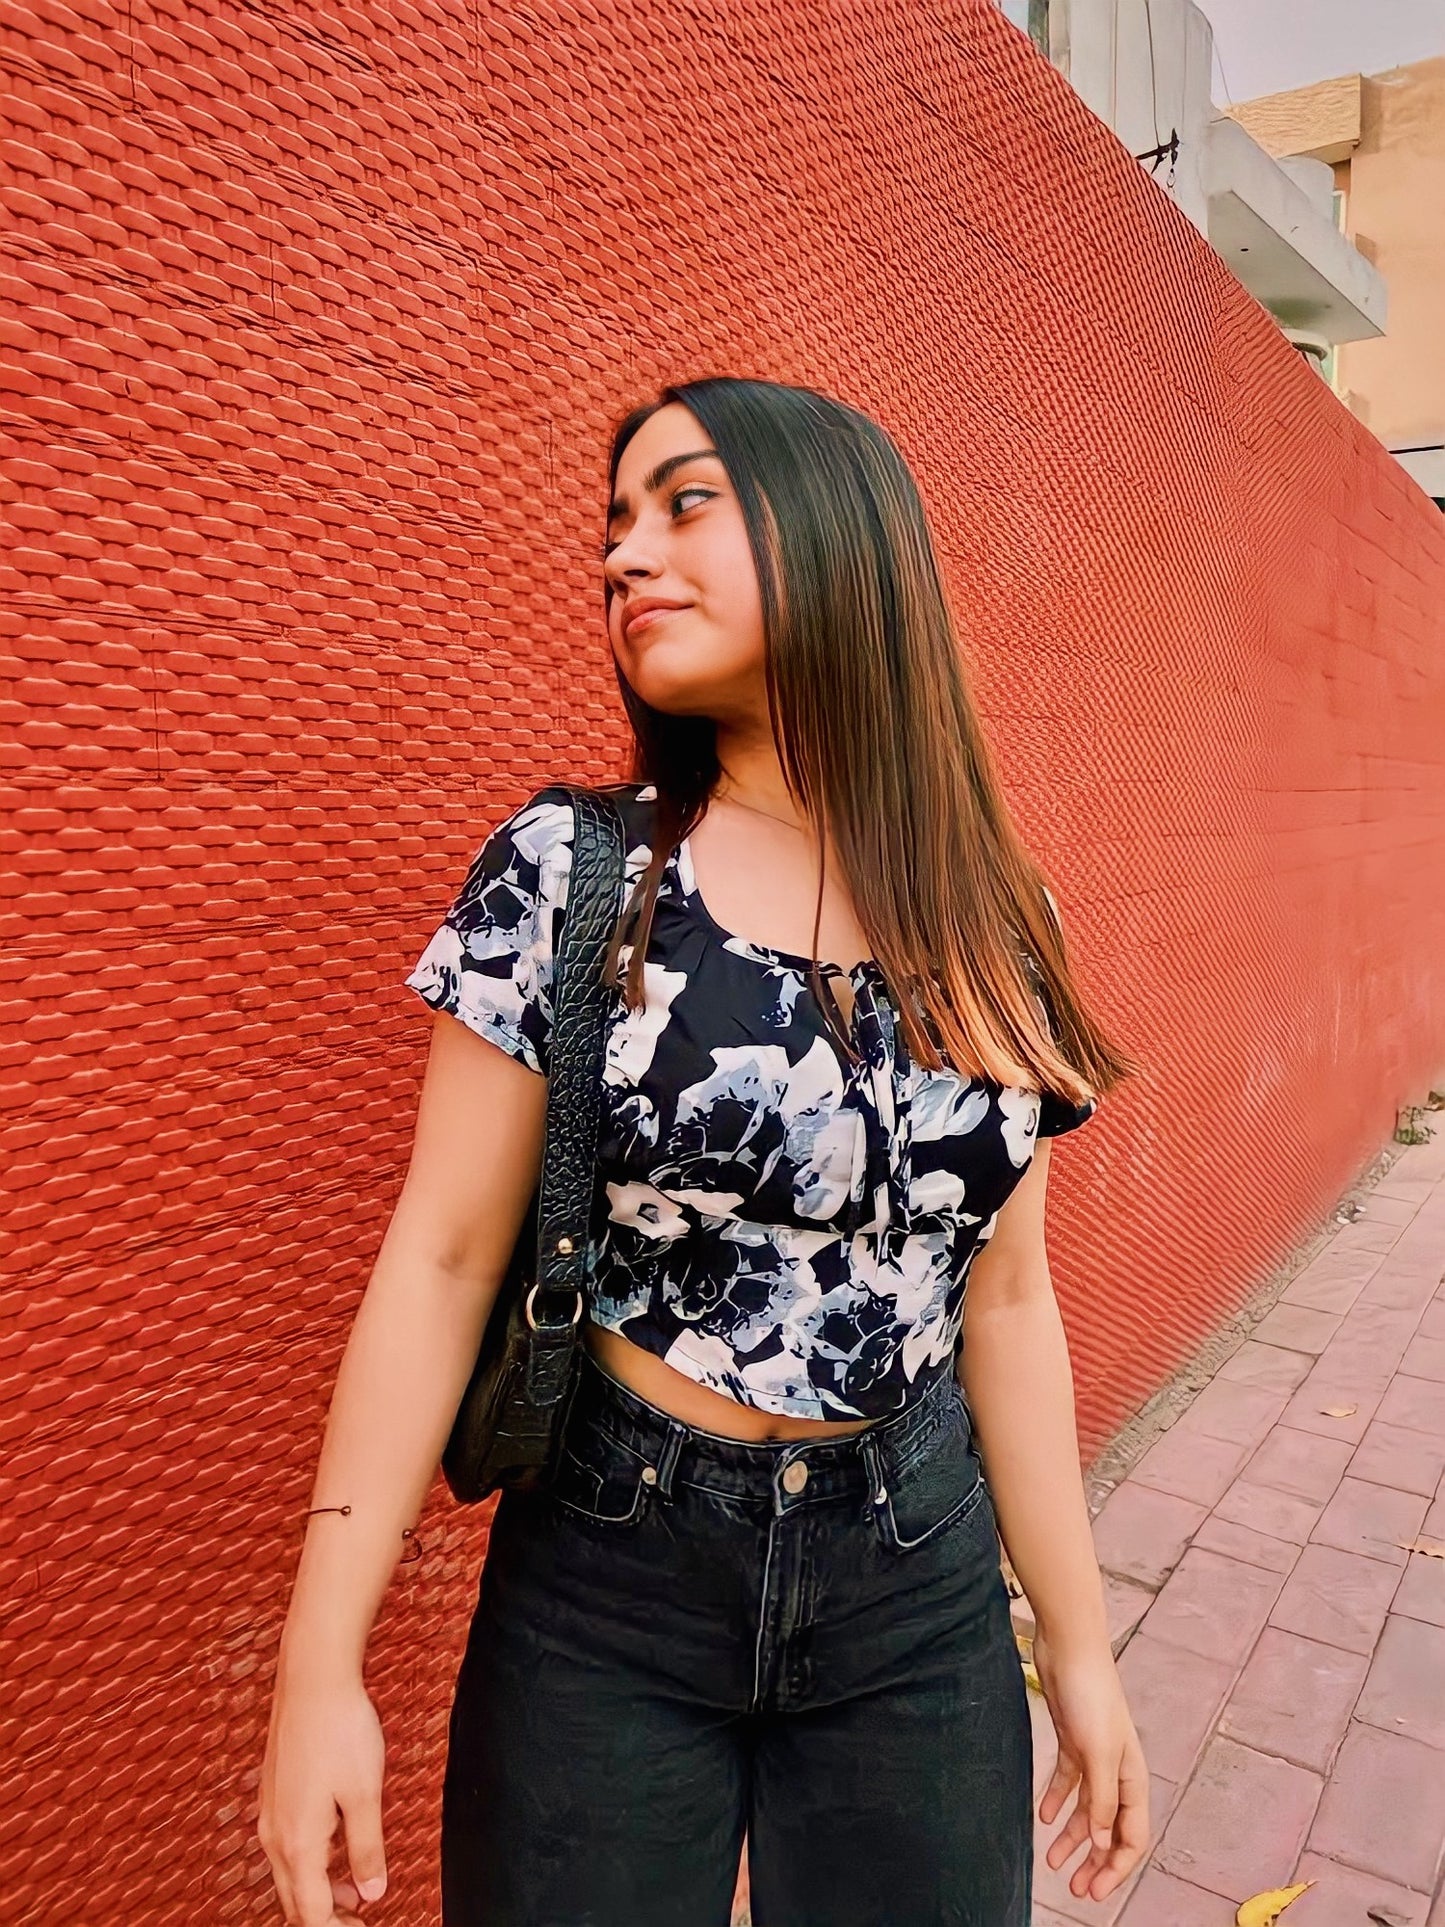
575 1319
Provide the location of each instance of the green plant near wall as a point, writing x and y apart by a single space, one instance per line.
1409 1129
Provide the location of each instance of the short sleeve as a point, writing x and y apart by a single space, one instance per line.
489 962
1057 1114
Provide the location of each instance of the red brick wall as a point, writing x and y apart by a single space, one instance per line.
314 329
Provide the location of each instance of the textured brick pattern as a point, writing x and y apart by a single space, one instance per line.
314 326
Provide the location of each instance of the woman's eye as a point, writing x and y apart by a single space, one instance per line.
605 548
705 493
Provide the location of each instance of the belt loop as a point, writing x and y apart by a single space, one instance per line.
667 1458
874 1465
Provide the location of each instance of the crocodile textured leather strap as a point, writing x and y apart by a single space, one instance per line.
569 1153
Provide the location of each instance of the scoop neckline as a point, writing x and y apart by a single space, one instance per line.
681 862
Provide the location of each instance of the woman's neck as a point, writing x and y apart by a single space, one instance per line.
753 776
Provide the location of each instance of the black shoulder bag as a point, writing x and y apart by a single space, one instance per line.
507 1425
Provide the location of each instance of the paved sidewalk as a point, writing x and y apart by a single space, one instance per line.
1283 1654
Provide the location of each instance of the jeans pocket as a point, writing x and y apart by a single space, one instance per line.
598 1479
939 1487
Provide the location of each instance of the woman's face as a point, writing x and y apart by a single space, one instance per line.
677 535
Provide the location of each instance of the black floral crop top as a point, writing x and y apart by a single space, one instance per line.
779 1225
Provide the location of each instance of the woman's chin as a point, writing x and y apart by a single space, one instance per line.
677 694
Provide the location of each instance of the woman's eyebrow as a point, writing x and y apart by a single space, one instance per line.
656 479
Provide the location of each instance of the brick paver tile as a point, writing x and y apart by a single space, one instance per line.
1174 1697
1269 1366
1294 1698
1213 1606
1342 1897
1425 1358
1384 1807
1370 1518
1125 1604
1366 1234
1402 1284
1159 1897
1354 1368
1280 1514
1404 1690
1421 1593
1190 1465
1300 1463
1416 1403
1238 1414
1374 1336
1218 1534
1339 1597
1393 1455
1141 1534
1240 1822
1385 1207
1393 1185
1432 1325
1299 1328
1316 1406
1332 1281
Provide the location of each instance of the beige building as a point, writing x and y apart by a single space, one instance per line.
1272 219
1383 136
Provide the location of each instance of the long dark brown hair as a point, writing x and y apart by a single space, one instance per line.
879 739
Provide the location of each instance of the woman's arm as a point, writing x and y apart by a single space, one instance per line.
1016 1374
475 1159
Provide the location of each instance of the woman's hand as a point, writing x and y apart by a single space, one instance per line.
323 1760
1099 1752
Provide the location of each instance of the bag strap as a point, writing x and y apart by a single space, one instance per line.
556 1300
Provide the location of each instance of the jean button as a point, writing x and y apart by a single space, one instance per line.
795 1477
649 1475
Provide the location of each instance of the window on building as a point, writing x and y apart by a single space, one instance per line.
1030 17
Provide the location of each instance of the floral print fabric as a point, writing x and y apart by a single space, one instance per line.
782 1226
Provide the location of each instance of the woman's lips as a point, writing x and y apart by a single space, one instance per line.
648 617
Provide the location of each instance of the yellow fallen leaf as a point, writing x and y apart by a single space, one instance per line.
1431 1548
1260 1910
1338 1411
1024 1640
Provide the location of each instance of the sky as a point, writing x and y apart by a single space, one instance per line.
1267 46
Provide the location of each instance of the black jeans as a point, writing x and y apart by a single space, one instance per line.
687 1637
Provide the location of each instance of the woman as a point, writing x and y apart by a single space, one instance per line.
762 1593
